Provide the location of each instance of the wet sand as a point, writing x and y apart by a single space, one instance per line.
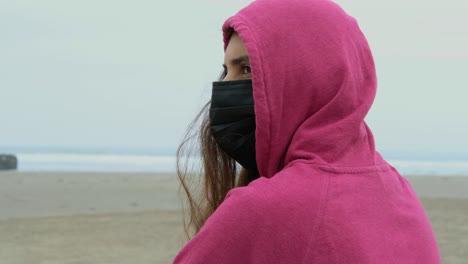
135 218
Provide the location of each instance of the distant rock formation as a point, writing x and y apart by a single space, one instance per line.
8 162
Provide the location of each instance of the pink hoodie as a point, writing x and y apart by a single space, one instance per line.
325 194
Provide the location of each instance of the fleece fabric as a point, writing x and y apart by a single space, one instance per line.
325 194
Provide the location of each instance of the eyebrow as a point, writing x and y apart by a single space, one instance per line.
239 60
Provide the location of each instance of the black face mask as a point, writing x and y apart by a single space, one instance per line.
232 120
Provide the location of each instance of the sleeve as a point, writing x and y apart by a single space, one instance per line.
228 235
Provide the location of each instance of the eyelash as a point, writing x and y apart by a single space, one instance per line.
225 69
243 69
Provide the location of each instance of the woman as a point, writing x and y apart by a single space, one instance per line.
299 80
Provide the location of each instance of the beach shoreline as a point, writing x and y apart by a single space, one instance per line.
61 217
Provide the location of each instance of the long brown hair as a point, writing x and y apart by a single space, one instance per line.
218 173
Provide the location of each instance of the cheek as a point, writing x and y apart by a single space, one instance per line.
227 77
231 76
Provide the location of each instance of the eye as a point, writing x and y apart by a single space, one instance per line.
246 69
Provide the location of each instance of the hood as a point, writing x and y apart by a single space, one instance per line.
314 81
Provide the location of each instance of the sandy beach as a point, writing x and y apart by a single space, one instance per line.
136 218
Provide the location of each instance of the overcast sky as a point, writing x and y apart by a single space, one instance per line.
103 73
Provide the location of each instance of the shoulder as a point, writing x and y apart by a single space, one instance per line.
289 197
293 186
253 223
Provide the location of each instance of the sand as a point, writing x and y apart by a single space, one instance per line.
74 218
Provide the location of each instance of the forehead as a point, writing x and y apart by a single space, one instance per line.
235 48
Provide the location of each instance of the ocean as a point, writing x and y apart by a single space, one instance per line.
163 161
